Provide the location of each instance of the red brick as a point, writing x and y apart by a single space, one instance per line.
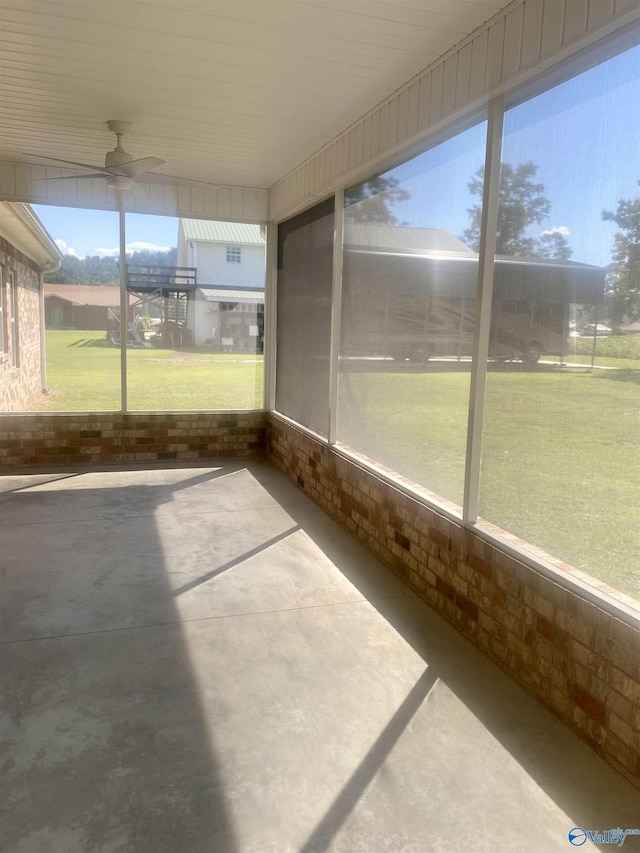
588 703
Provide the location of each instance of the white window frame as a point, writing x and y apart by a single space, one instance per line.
3 334
234 254
14 321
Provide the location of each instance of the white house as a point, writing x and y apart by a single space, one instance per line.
226 309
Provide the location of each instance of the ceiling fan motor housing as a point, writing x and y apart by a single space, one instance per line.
116 157
119 182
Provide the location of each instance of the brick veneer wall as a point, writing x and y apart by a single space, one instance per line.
580 661
116 438
20 386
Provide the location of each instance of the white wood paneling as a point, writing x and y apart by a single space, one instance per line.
19 182
575 19
463 75
599 10
503 53
479 64
512 42
495 49
531 33
232 93
552 27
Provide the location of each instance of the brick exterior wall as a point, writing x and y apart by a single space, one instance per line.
20 387
581 662
116 438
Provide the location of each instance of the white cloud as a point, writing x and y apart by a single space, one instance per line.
66 250
139 246
135 246
557 229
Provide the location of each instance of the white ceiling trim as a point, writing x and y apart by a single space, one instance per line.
520 41
236 93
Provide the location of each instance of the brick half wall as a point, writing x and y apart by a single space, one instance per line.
580 661
113 438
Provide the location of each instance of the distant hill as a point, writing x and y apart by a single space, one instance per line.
106 271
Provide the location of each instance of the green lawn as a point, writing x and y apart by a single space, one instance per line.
561 451
83 373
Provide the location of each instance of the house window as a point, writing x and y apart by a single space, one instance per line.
13 321
233 254
2 336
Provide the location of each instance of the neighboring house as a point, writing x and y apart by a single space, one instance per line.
226 309
83 306
26 253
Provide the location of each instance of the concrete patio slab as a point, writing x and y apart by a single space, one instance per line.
198 659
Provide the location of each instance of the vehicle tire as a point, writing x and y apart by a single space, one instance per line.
399 355
421 353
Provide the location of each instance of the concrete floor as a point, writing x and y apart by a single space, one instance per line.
198 659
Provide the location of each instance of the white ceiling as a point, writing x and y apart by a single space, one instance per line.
227 91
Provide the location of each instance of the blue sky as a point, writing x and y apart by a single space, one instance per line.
96 232
583 135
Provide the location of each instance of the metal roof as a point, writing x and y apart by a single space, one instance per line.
236 233
99 295
402 238
214 294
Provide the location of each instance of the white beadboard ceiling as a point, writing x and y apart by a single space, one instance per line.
235 92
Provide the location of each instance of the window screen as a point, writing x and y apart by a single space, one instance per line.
305 266
561 442
408 308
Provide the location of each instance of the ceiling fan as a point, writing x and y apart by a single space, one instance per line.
120 170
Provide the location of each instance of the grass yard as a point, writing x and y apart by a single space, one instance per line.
83 373
561 450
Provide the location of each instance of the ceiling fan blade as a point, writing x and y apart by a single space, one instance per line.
166 179
137 167
92 177
70 164
139 193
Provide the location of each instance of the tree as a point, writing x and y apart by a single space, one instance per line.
98 270
624 278
381 194
553 244
521 204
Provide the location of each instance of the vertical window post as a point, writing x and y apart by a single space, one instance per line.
124 325
270 315
336 304
490 198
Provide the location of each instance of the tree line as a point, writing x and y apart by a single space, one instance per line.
95 270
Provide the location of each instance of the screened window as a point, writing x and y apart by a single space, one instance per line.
408 309
197 338
305 265
13 321
2 313
561 442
